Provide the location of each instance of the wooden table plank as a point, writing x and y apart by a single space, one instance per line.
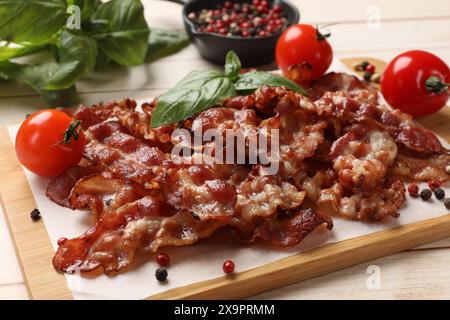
407 275
166 72
328 11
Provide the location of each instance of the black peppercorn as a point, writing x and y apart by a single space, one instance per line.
439 194
367 76
425 194
447 203
161 274
364 64
35 215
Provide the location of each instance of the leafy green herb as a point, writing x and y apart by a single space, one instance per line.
232 65
31 21
113 32
126 38
251 81
77 57
7 53
165 42
201 90
196 92
37 77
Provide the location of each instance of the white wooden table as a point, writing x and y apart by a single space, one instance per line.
420 273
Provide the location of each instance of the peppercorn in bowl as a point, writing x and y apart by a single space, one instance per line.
250 28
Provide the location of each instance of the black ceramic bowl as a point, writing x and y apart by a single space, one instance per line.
252 51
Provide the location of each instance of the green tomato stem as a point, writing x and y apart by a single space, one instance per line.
436 85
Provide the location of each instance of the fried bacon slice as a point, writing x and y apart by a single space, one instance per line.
263 195
327 195
143 225
337 81
421 169
362 156
100 192
299 134
125 156
59 188
348 110
285 228
90 115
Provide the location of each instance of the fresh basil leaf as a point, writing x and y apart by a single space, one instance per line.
251 81
37 77
125 39
198 91
31 21
87 7
7 53
77 56
6 70
232 65
103 61
165 42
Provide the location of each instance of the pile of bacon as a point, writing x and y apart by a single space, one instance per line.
340 153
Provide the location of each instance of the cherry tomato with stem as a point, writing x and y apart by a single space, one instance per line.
303 44
416 82
49 142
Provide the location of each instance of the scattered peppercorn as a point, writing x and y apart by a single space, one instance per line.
370 68
425 194
364 64
163 259
367 76
228 266
413 190
258 18
434 185
439 194
35 215
161 274
447 203
61 241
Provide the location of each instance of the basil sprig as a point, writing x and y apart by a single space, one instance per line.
110 33
201 90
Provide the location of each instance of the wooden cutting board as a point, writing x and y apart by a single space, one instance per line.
35 252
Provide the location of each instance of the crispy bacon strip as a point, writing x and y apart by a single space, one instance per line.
285 229
123 155
300 135
349 110
335 81
262 196
100 193
59 188
141 225
380 202
100 112
422 169
361 157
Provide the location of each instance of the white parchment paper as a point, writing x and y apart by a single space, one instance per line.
203 260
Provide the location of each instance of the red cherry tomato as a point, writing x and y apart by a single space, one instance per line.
404 83
40 144
303 44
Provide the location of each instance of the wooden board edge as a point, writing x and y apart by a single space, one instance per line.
314 262
30 239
